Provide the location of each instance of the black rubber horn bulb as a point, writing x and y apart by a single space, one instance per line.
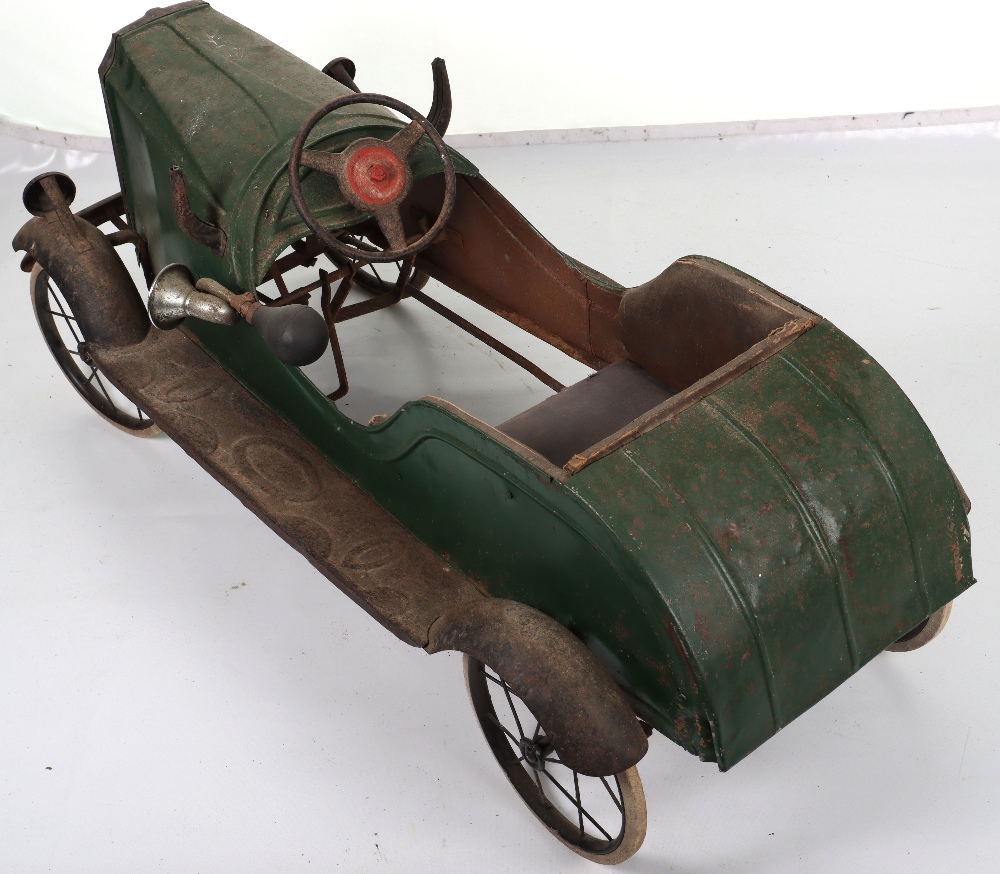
295 333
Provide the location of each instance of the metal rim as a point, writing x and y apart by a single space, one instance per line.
924 633
64 337
329 240
608 821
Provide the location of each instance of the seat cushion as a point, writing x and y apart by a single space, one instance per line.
588 411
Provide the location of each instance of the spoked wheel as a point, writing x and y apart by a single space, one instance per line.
601 818
68 346
924 633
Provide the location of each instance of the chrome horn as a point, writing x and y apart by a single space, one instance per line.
295 333
173 297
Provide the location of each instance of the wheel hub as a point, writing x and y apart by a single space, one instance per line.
534 754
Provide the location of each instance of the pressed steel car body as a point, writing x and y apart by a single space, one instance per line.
769 515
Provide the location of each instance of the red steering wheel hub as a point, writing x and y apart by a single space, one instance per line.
375 175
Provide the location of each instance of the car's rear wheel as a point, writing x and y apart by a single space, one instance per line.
601 818
924 633
68 345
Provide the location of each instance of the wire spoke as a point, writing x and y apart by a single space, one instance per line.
62 316
495 720
579 807
510 701
100 382
56 298
614 797
62 311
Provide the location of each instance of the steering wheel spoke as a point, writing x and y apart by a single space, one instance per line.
330 163
403 142
390 222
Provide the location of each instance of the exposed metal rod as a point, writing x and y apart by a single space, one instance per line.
481 335
306 252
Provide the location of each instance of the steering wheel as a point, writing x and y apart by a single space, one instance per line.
374 176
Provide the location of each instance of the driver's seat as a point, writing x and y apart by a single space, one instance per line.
587 412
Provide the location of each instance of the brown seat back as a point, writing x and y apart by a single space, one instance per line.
697 316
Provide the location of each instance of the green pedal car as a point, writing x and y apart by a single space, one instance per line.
735 512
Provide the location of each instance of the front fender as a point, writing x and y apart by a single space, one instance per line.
88 271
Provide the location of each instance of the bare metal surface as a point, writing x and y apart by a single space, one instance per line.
331 304
411 289
860 249
966 501
110 209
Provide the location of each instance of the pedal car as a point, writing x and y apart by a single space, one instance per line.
731 516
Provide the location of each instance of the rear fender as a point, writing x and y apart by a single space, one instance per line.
593 728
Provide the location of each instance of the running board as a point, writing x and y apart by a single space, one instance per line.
288 484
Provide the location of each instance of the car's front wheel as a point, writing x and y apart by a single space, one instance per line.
66 341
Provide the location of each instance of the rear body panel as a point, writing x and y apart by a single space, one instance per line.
805 520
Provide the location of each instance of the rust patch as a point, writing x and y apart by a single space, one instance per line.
956 554
702 627
671 631
842 545
621 633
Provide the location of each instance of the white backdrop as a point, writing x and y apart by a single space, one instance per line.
521 65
